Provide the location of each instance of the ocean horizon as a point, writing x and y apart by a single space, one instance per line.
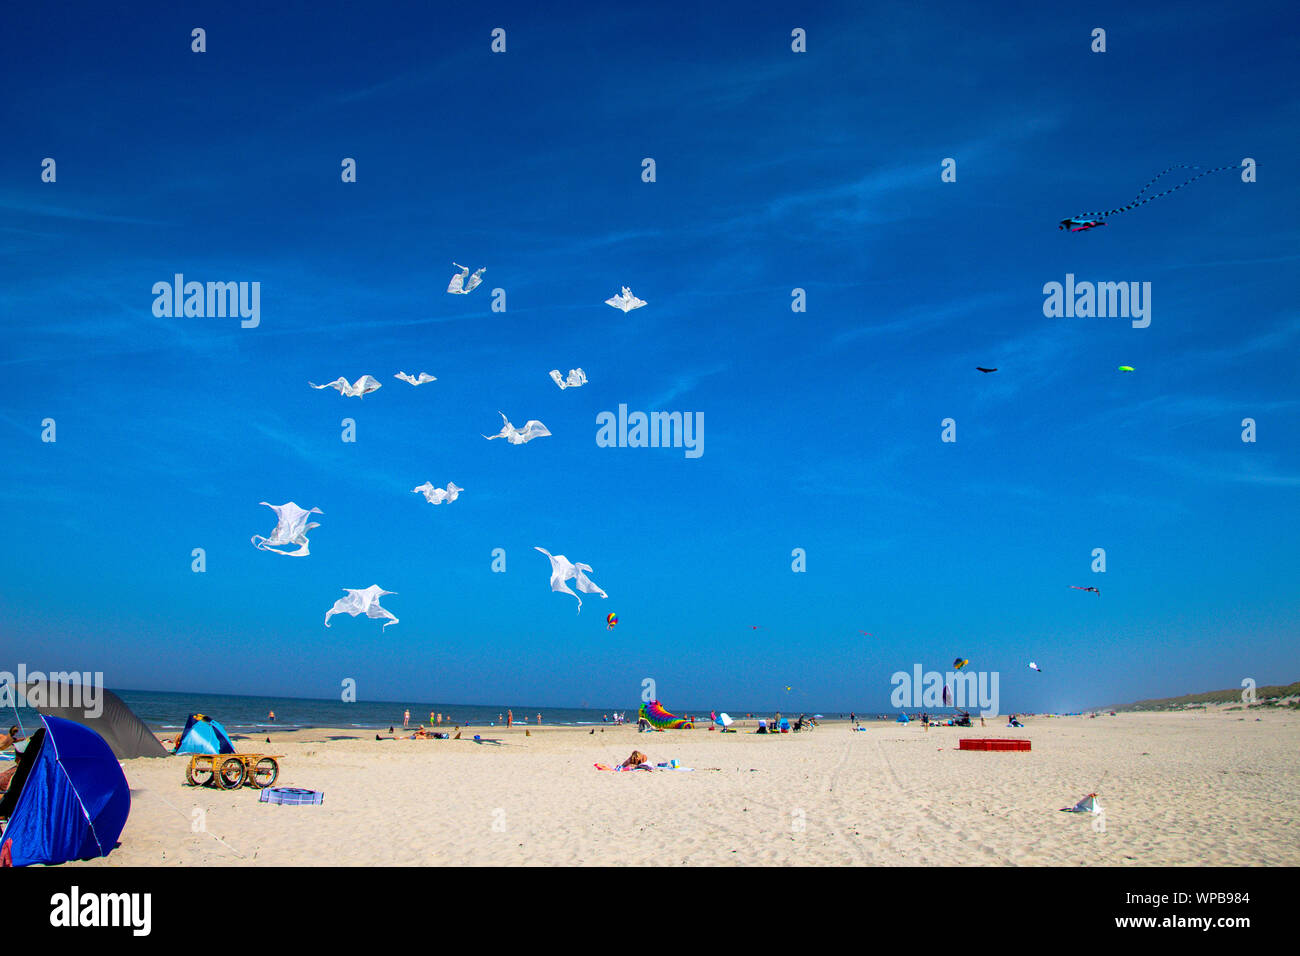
168 710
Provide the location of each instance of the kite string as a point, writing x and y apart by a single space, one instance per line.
1153 181
1139 201
1159 175
1097 789
205 829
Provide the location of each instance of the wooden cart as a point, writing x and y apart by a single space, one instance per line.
232 771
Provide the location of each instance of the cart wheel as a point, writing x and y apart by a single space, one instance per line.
263 773
231 774
199 776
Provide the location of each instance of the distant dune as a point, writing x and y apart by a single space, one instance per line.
1273 695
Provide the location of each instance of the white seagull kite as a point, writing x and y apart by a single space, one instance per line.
363 601
424 377
576 377
458 285
562 570
436 496
625 300
291 527
364 386
517 436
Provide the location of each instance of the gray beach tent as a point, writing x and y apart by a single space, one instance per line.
124 732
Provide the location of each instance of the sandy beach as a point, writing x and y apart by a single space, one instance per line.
1213 787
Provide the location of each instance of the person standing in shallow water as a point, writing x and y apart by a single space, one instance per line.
510 718
406 718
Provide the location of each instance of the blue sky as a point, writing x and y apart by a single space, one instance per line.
775 170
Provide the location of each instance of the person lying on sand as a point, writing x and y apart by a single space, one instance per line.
638 761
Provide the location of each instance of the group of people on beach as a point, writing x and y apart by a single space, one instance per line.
436 719
803 722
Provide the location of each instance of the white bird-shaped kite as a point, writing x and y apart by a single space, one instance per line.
364 386
362 601
458 285
576 377
562 570
625 300
424 377
517 436
1034 666
436 496
291 527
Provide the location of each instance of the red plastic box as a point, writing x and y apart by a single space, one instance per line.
992 743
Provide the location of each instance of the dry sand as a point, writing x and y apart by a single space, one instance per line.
1215 787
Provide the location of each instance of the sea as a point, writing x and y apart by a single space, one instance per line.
239 714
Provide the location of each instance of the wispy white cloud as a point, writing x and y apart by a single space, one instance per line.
47 210
928 315
1267 341
685 382
1253 260
1239 471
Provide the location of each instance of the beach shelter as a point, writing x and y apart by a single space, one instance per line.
903 719
68 799
660 719
103 712
203 735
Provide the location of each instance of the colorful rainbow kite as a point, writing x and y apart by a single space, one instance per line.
660 719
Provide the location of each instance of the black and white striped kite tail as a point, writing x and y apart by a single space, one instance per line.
1139 201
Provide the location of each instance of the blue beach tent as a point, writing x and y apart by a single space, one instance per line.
68 799
902 719
203 735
